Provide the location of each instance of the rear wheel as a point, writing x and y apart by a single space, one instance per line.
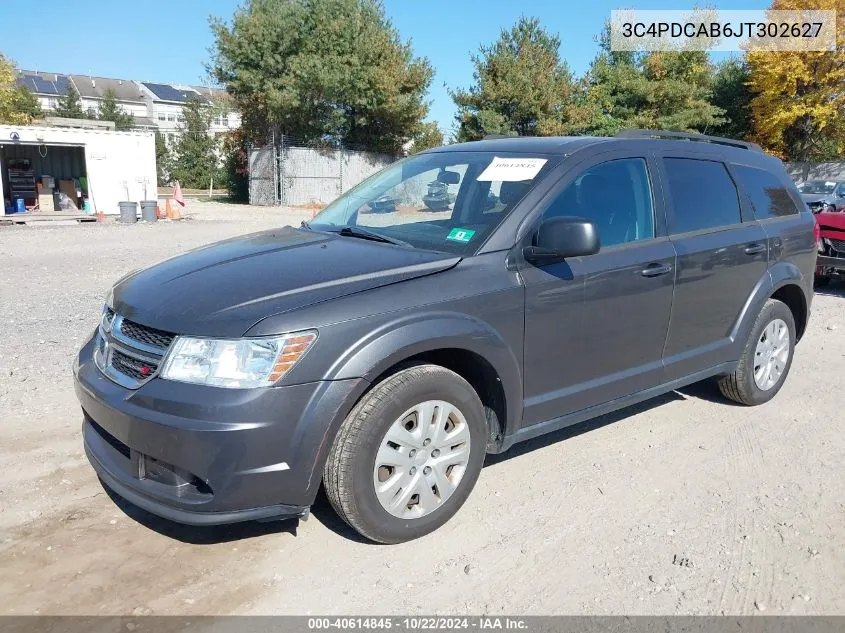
408 454
766 359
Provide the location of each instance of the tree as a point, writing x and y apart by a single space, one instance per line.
110 111
521 86
196 160
164 160
664 90
732 94
17 104
69 106
331 71
798 105
428 136
236 165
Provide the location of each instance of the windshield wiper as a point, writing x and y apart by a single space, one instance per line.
356 231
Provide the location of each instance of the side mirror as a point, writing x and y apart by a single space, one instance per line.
562 237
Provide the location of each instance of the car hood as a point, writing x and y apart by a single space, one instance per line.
815 197
831 224
224 288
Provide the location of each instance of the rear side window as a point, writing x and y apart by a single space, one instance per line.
703 195
768 196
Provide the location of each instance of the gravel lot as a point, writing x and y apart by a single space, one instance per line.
686 504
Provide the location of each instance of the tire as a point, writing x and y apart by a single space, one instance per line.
352 476
741 385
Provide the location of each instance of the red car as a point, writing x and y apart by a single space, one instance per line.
831 259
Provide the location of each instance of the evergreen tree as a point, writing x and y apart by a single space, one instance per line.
329 71
110 111
196 162
163 160
521 86
69 106
732 94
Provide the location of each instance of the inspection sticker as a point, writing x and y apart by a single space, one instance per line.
512 169
460 235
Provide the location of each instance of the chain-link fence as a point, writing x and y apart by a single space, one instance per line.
800 172
294 174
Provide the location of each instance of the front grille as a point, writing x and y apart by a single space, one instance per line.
838 245
146 335
815 205
134 368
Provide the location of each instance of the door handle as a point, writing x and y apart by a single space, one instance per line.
655 270
755 249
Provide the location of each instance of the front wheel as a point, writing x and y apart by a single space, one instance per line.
408 455
766 359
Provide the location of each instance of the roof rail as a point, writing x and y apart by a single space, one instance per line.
688 136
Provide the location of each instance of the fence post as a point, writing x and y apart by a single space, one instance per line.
281 182
340 168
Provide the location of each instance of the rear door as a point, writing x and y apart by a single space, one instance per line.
722 255
595 326
790 234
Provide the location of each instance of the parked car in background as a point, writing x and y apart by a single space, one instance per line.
383 204
831 259
823 195
384 356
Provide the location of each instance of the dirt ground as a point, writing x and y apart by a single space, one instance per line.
683 505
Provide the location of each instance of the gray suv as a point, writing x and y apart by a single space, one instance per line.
383 354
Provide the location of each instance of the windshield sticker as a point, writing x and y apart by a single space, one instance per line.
512 169
460 235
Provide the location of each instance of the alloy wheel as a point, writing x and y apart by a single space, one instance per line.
771 354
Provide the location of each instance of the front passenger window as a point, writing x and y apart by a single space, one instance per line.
615 196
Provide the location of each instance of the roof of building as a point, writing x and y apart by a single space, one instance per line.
167 92
95 88
44 83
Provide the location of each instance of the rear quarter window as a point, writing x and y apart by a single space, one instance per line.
702 193
769 197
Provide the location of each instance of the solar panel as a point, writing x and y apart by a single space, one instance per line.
62 85
43 86
168 93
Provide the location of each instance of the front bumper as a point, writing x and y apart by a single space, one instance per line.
205 455
826 261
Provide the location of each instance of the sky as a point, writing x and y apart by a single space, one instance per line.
168 41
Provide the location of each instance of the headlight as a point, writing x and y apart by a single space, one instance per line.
237 363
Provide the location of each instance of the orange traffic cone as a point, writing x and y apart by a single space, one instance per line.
168 209
159 214
101 217
174 212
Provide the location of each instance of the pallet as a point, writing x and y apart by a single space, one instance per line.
38 218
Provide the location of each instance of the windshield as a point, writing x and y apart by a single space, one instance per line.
444 201
817 186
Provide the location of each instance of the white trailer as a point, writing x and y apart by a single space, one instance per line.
116 166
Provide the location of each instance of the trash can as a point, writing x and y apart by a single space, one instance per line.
20 205
149 210
128 212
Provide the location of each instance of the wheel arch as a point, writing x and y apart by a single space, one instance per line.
783 281
466 345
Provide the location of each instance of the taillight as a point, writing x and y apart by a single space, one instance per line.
817 231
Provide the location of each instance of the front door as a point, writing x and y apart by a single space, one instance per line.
595 326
